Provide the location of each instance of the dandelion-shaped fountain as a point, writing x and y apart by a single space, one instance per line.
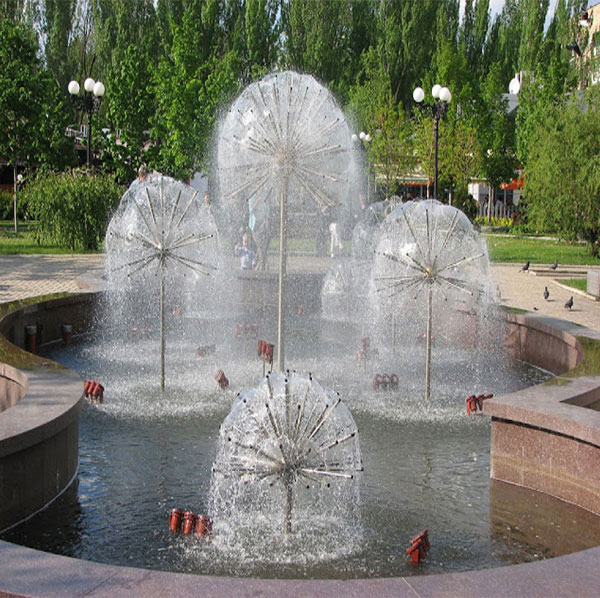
431 252
284 144
162 231
289 438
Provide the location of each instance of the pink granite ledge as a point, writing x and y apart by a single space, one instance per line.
13 386
33 573
545 406
52 401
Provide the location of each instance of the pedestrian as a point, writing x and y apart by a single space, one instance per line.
246 254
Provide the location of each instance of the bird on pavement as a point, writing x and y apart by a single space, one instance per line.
546 293
554 265
525 267
569 304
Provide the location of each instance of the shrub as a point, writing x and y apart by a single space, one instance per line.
483 221
72 209
6 205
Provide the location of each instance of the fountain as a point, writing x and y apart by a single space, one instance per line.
287 443
429 253
284 145
283 478
160 229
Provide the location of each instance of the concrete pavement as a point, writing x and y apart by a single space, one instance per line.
526 291
24 276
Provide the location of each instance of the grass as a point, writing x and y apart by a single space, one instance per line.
576 283
502 248
518 249
24 241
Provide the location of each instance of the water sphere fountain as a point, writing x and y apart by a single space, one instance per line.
288 451
160 231
284 145
429 253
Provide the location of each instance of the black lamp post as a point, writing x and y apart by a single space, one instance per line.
89 102
442 97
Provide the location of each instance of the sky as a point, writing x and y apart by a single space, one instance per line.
496 6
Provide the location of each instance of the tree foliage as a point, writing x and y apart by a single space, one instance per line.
171 66
562 181
32 112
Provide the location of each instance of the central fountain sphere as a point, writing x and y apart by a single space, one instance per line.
285 138
286 125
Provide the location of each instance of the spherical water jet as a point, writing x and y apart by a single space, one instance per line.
160 231
430 253
284 145
288 456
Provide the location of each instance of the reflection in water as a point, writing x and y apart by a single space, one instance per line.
526 525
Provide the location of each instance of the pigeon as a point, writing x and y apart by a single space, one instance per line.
569 304
546 293
554 265
525 267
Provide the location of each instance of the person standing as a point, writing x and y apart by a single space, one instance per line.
246 254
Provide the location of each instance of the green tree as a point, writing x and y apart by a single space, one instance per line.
461 157
31 114
390 150
118 24
191 83
562 182
318 40
533 17
406 42
262 33
473 34
370 93
129 107
57 25
504 41
496 132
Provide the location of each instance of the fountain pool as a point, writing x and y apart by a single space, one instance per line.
425 467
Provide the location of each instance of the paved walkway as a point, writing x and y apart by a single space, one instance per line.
30 275
24 276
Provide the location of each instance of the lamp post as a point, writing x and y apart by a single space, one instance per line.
441 96
89 103
18 181
364 139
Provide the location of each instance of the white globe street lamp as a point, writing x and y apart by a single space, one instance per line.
442 97
89 103
514 87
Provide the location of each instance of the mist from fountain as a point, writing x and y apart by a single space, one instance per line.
284 150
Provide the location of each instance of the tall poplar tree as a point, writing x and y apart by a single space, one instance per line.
262 34
406 42
533 16
192 82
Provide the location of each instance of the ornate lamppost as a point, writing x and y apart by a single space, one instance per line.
442 97
89 103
